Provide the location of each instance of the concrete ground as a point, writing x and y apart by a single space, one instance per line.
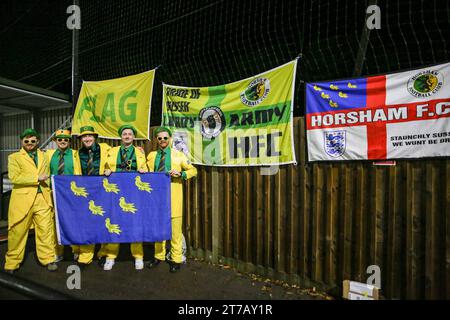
197 280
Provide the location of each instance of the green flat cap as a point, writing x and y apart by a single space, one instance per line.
127 126
30 132
162 129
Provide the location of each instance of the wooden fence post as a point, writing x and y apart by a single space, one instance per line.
216 233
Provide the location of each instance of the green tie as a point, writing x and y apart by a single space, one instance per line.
162 166
61 163
33 155
124 158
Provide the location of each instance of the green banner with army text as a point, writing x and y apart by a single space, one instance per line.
244 123
109 104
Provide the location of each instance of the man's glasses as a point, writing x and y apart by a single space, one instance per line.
160 138
30 141
62 139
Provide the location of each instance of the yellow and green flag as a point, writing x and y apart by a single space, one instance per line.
244 123
109 104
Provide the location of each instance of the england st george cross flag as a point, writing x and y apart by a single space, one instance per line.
393 116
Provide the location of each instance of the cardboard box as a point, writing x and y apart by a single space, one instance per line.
353 290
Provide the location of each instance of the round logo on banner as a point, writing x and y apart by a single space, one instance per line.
256 92
425 83
213 122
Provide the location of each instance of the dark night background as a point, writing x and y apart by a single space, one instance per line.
206 43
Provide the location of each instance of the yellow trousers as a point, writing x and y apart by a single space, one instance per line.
86 253
176 244
111 250
41 215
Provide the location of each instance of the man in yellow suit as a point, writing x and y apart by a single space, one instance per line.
30 203
90 160
177 165
124 158
62 161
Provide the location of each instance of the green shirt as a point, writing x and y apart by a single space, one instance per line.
68 162
130 161
167 162
33 155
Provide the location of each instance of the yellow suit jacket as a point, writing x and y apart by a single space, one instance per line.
104 149
180 163
111 163
24 176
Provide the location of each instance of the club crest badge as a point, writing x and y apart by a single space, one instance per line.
425 83
212 121
335 143
256 92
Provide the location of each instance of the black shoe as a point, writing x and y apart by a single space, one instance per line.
153 263
174 267
101 261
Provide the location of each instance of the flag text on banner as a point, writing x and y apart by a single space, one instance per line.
244 123
393 116
109 104
121 208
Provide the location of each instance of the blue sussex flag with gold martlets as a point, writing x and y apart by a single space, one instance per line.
122 208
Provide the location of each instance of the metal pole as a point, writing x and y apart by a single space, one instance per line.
363 42
49 139
75 76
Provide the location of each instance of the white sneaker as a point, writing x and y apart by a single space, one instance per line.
59 258
108 264
139 264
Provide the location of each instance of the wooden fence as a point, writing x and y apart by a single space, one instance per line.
319 224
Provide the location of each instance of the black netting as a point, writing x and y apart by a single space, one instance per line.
35 45
205 43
